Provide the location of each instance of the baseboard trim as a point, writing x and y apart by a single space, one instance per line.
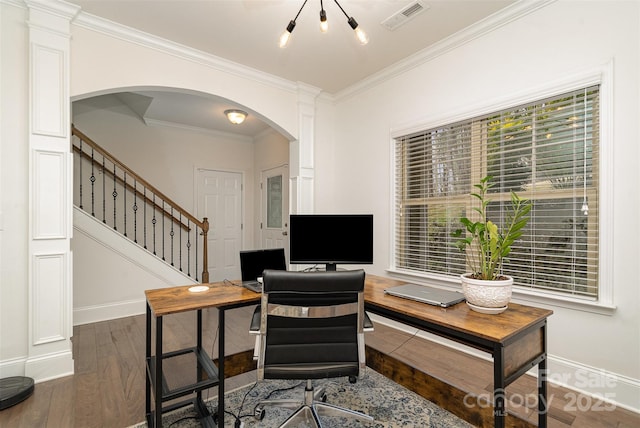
49 366
604 389
97 313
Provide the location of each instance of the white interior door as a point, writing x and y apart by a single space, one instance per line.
220 200
275 208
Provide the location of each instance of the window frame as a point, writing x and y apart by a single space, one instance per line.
600 75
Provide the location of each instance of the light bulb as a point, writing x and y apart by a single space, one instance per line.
361 36
324 24
284 39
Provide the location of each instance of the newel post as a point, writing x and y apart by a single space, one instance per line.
205 254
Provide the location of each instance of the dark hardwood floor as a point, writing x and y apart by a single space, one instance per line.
107 389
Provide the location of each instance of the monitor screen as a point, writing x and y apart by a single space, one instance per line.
331 239
254 262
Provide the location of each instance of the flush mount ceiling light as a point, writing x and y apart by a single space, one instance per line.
236 116
324 25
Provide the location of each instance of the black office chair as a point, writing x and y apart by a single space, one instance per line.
311 326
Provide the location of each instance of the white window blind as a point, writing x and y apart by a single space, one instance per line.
546 151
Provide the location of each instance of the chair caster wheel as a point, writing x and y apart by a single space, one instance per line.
259 412
352 379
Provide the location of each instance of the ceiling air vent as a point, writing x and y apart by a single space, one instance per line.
403 16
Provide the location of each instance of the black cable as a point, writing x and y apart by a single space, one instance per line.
403 343
215 339
186 418
227 281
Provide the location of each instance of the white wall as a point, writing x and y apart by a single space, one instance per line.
14 193
167 157
557 41
111 272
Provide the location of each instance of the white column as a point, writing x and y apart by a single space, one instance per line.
301 152
50 199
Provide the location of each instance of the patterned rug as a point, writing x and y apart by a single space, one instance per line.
391 405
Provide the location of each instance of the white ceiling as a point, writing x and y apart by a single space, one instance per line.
247 32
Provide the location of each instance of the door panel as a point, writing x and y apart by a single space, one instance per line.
220 200
275 208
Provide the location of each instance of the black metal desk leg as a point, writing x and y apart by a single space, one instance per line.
147 354
499 410
221 367
158 374
543 405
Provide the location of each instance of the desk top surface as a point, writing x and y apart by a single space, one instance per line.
495 328
172 300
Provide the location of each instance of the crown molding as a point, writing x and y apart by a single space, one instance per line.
499 19
131 35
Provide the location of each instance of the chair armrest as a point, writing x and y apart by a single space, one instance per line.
254 327
367 324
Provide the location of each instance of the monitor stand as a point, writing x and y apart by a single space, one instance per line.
331 267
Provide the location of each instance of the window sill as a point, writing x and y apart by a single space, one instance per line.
520 295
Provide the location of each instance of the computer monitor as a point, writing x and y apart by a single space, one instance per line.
331 239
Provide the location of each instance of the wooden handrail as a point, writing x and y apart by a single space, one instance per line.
145 183
204 224
140 194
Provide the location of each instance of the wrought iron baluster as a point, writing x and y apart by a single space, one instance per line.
135 211
115 196
164 215
80 170
196 254
144 216
93 182
172 234
180 243
188 247
124 203
104 193
153 222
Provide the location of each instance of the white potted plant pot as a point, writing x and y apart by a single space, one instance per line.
487 296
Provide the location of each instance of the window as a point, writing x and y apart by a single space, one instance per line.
546 151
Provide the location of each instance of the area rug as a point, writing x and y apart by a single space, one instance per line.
391 405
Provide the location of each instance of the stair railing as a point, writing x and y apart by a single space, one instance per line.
126 202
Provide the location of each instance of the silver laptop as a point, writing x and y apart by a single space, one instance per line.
426 294
253 262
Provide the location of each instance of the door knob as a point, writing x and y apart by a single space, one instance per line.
284 233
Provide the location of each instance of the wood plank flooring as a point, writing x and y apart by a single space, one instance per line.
107 389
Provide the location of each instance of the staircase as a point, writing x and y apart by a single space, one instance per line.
113 194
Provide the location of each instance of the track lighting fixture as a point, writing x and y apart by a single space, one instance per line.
324 25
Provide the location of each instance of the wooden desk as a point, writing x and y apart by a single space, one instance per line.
167 301
516 339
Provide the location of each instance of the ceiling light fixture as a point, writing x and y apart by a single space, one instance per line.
324 25
236 116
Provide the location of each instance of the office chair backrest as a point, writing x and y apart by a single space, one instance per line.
312 324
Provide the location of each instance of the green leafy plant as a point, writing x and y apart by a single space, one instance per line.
488 244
